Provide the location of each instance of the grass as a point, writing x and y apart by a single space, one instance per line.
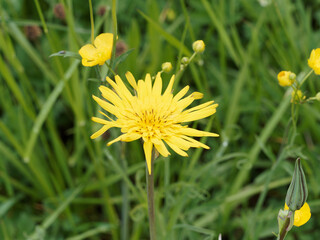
56 183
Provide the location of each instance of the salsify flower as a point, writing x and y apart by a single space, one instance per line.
314 60
302 215
98 52
154 117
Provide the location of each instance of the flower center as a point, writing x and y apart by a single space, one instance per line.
151 125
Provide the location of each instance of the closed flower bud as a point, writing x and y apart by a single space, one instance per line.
286 78
297 96
185 60
198 46
166 67
318 96
298 192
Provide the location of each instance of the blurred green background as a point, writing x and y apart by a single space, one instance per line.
57 183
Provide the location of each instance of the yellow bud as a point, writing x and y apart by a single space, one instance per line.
286 78
318 96
297 96
198 46
166 67
171 15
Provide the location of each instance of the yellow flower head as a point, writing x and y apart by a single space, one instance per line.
297 96
198 46
99 52
286 78
302 215
314 60
152 116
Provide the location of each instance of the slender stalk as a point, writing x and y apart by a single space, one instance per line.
115 31
150 192
91 20
125 198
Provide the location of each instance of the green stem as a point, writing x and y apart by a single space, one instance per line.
91 20
125 197
44 25
305 78
110 69
150 192
115 32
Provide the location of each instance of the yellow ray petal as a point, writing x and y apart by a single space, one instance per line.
129 137
169 87
100 131
105 115
197 95
161 148
157 86
182 104
131 80
105 105
181 93
99 120
203 105
195 142
176 149
122 88
148 84
196 115
115 140
142 89
147 147
110 95
179 142
196 133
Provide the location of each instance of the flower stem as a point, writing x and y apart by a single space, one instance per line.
150 192
91 20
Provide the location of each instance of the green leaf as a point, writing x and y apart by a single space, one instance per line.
65 54
122 57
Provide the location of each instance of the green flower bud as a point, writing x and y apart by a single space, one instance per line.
292 76
198 46
166 67
298 192
318 96
185 60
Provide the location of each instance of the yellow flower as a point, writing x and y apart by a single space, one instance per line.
302 215
152 116
314 60
286 78
297 96
198 46
99 52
